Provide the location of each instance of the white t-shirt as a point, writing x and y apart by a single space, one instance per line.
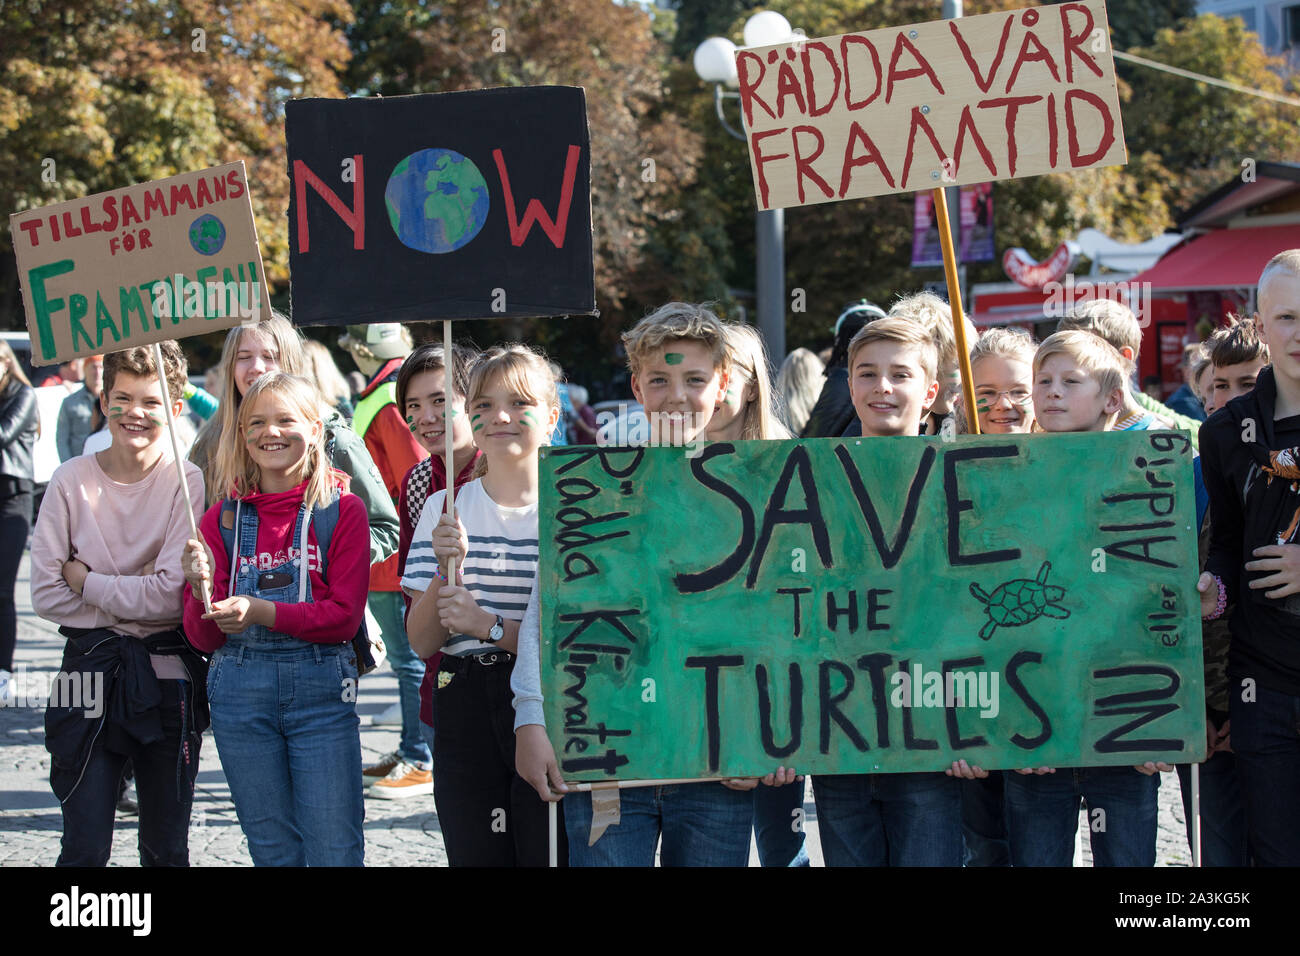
500 568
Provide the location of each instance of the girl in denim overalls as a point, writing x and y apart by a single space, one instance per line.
282 680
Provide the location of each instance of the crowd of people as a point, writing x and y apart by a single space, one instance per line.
324 533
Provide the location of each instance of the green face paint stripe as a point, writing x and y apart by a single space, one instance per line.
673 358
160 422
410 422
475 418
478 428
530 417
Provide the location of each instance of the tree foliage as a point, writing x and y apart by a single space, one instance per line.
118 92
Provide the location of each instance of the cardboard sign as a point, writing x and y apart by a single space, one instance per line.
998 96
884 604
440 206
162 260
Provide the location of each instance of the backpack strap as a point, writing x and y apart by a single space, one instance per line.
229 516
325 519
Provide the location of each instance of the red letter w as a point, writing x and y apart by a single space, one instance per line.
554 228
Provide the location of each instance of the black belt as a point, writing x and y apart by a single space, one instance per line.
489 659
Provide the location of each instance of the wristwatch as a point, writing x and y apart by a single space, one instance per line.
496 631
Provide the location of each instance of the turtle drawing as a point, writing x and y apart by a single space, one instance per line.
1020 601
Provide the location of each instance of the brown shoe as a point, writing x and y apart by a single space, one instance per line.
404 781
381 769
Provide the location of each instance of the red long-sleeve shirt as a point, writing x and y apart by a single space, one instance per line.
337 606
395 452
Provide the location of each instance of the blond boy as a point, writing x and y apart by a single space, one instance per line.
893 379
679 363
1078 383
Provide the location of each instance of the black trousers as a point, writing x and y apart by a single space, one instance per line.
15 523
164 799
489 815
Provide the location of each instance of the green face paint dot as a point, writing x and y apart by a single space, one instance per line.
673 358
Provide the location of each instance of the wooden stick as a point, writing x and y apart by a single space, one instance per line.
450 460
180 463
631 784
554 811
1196 814
954 300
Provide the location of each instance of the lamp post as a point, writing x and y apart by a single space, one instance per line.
715 62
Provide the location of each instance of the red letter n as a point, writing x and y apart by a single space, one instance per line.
354 218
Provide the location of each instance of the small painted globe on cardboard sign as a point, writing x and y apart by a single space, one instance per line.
207 234
437 200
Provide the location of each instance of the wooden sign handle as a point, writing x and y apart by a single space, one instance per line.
954 300
449 460
206 594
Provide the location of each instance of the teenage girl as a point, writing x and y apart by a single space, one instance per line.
1002 372
286 555
489 815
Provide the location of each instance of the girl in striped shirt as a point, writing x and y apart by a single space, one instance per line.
489 816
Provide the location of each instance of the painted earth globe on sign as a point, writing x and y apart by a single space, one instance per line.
207 234
437 200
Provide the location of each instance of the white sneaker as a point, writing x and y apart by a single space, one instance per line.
389 717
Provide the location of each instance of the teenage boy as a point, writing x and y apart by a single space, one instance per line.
1249 453
935 316
1236 356
1116 323
896 819
106 567
1079 386
679 363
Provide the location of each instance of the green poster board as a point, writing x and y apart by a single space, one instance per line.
863 605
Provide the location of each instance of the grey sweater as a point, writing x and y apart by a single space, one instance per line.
526 678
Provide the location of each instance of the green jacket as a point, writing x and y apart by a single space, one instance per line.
347 452
1165 412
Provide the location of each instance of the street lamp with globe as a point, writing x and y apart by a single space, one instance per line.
715 62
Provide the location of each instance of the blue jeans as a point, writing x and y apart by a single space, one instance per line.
291 749
1223 814
778 829
1043 815
702 824
1266 740
984 821
389 611
889 819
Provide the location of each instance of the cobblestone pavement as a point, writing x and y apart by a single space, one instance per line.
398 833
